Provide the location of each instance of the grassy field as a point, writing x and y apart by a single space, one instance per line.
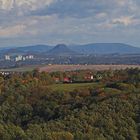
65 88
72 87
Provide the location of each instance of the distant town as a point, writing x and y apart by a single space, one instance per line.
18 58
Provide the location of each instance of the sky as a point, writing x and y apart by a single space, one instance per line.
29 22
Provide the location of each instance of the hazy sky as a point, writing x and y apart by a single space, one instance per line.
26 22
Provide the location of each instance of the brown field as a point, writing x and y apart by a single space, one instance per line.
53 68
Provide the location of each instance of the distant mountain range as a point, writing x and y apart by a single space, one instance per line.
106 48
62 49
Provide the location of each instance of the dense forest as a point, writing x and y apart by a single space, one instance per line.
108 109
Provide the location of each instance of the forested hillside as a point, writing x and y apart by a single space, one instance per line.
106 107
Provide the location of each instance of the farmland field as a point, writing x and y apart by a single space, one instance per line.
21 69
53 68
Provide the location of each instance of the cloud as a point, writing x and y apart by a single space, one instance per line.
123 20
69 20
29 4
20 28
6 4
12 31
86 8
